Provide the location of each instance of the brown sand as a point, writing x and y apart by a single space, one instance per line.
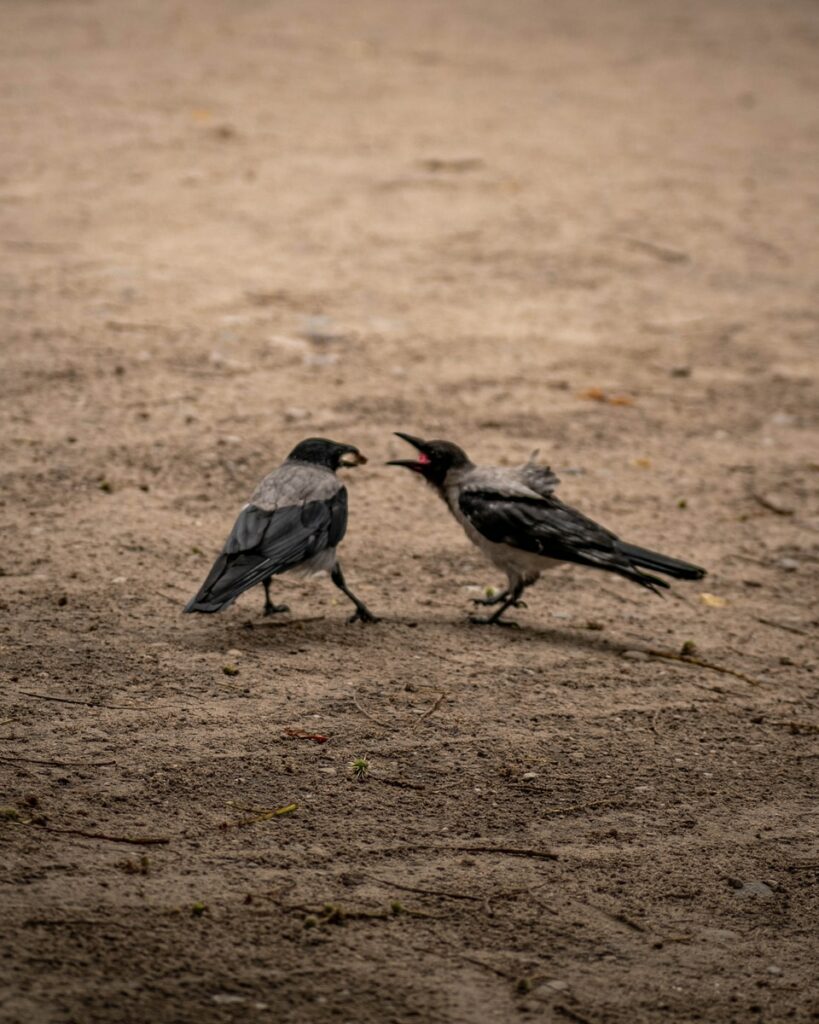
227 226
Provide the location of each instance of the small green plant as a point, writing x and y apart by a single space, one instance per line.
198 909
359 768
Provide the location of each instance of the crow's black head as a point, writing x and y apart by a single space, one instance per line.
321 452
435 458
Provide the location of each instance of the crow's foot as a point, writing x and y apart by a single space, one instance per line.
363 614
493 620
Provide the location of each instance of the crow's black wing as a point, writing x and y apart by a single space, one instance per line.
548 528
266 542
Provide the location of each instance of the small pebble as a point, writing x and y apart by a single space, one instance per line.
773 969
788 564
528 776
754 889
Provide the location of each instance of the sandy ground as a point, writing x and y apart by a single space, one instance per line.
228 226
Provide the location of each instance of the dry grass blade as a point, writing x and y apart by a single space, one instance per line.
266 815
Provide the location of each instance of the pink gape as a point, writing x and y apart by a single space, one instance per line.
423 459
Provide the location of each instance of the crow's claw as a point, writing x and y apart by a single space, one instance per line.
275 609
493 621
363 615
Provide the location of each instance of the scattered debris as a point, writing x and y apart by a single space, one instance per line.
660 252
258 815
301 734
599 395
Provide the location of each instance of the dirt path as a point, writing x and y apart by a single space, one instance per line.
589 229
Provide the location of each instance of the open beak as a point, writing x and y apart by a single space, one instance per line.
352 458
415 464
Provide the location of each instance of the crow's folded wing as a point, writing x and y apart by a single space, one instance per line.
548 528
265 542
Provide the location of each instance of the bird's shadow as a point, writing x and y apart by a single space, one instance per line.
416 633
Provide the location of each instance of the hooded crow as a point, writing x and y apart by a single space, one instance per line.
293 523
514 517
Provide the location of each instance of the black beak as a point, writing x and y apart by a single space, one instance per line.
413 464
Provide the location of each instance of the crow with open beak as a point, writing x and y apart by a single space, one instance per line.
513 516
293 523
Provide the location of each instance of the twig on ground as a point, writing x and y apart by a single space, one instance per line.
592 806
571 1014
784 625
372 718
771 506
33 922
509 851
330 914
687 659
430 711
718 689
131 840
488 967
425 892
97 703
661 252
56 764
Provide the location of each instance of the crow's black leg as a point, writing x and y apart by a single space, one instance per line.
362 612
269 607
511 600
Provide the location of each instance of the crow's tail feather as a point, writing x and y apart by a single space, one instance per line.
230 576
661 563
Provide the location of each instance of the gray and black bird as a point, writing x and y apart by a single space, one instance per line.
293 523
514 517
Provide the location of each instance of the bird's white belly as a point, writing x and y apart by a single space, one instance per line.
322 562
513 561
